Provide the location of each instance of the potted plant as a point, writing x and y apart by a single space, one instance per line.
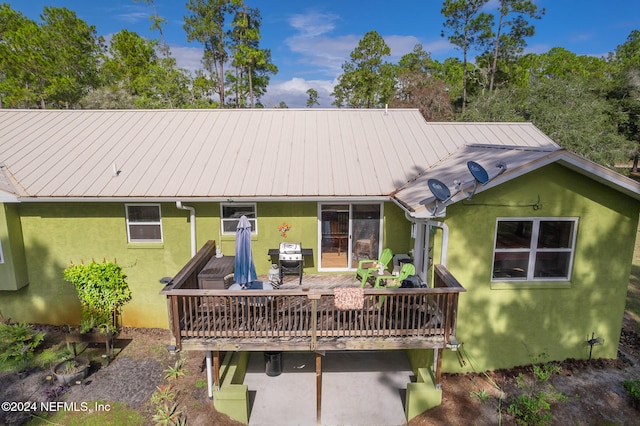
71 371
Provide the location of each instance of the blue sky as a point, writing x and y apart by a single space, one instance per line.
310 40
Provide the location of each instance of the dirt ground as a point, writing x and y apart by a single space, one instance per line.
593 388
595 395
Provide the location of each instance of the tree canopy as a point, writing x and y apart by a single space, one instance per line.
587 104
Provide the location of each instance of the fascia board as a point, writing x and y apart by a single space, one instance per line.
201 199
572 161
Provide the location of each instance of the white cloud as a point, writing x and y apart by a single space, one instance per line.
293 92
187 57
400 45
313 24
130 13
325 54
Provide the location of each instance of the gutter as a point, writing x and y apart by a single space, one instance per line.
192 220
239 200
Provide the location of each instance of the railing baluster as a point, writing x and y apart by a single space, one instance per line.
429 312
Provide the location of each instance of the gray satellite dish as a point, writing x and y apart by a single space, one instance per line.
439 189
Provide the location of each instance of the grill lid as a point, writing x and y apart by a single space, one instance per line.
290 248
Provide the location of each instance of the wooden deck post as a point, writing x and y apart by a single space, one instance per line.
318 388
438 372
216 369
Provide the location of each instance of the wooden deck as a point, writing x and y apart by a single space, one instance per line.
305 317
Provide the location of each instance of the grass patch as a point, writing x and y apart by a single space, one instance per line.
118 413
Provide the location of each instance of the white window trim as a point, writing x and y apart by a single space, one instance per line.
223 219
533 250
126 209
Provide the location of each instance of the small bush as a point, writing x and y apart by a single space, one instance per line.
162 395
176 371
482 395
18 343
102 290
533 406
544 371
633 389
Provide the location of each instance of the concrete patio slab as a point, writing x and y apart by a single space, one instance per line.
358 388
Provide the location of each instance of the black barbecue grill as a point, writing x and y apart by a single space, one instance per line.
290 259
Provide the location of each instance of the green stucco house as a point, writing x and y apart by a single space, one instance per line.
542 241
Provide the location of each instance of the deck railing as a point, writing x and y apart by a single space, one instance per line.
298 319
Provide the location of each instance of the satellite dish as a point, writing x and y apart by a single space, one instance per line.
439 189
481 175
478 172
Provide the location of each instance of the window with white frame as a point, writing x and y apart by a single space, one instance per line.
534 249
230 215
1 255
144 223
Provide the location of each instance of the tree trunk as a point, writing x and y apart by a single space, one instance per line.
464 75
495 52
251 89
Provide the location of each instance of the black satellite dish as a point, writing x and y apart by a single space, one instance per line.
478 172
439 189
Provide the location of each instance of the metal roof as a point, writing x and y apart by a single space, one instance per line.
236 154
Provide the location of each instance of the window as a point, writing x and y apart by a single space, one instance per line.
538 249
144 224
1 257
231 214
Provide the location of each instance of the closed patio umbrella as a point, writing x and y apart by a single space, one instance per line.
245 270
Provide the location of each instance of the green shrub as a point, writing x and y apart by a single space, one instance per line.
53 355
172 373
633 389
17 345
531 409
533 406
102 290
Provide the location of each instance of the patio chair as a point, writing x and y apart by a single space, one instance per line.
406 271
365 267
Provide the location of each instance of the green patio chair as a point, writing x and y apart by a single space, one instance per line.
365 272
394 281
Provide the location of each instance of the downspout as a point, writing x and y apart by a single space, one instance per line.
192 220
445 239
445 234
443 262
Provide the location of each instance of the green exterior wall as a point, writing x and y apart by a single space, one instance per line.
499 324
55 234
13 271
505 324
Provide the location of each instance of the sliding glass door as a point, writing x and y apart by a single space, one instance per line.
348 233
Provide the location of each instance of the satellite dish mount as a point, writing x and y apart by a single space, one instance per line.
441 192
